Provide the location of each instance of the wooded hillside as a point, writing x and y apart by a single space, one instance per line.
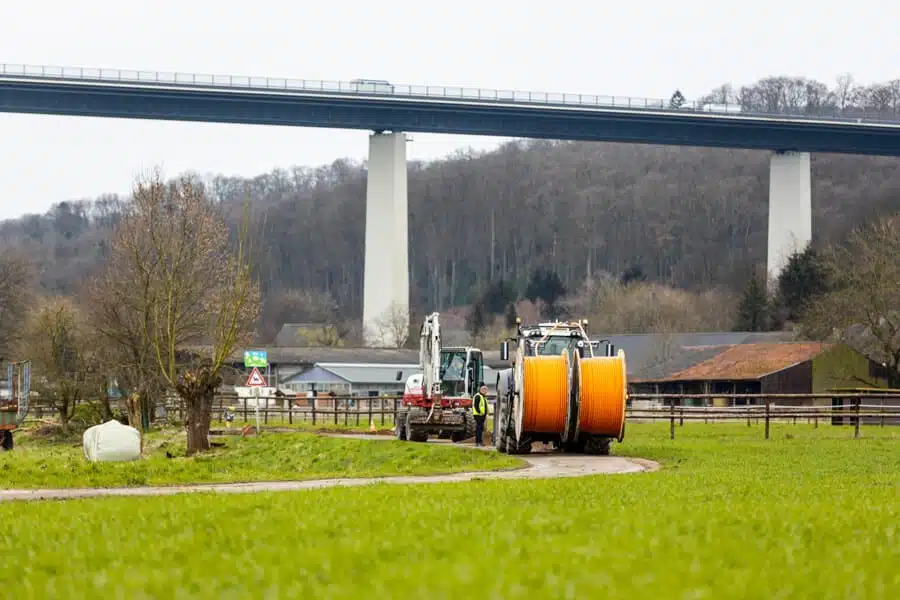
685 217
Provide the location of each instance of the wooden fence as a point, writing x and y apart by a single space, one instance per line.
851 409
846 409
325 410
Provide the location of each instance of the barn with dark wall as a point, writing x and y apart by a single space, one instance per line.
759 368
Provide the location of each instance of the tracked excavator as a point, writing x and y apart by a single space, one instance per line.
562 389
450 377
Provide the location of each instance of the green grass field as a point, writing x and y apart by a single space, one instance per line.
807 514
41 462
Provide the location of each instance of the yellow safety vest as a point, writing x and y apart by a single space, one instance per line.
479 405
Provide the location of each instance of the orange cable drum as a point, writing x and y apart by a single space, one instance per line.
546 398
602 395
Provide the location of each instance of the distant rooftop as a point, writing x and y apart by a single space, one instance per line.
645 352
752 361
733 362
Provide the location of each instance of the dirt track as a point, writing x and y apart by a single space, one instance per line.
540 466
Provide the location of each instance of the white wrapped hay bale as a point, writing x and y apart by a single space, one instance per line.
112 442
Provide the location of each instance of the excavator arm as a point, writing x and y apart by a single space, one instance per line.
430 356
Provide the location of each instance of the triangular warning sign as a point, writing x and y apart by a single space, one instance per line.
256 379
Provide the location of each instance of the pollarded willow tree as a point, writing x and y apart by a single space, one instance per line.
192 296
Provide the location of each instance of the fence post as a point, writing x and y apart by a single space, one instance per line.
882 412
856 426
245 409
672 419
370 409
767 418
314 402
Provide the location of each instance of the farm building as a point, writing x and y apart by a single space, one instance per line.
759 368
296 368
285 363
357 371
719 362
360 379
646 350
351 379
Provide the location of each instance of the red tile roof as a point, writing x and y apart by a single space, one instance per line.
751 361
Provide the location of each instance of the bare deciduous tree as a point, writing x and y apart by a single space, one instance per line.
322 319
118 305
863 308
57 346
15 295
391 328
194 298
653 308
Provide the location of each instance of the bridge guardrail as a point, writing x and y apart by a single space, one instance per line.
485 95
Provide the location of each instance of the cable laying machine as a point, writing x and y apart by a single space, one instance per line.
450 379
559 391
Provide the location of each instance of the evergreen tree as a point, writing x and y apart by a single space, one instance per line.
633 274
803 279
546 285
477 320
510 316
753 310
497 296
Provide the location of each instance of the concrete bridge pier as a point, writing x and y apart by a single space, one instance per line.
386 279
790 209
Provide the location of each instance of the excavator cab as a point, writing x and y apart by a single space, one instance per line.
475 375
461 372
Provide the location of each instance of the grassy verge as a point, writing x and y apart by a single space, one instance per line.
39 462
807 514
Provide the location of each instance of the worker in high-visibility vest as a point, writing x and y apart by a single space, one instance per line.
479 411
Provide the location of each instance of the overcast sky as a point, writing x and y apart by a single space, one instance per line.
645 48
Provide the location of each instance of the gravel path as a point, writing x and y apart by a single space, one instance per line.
540 466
